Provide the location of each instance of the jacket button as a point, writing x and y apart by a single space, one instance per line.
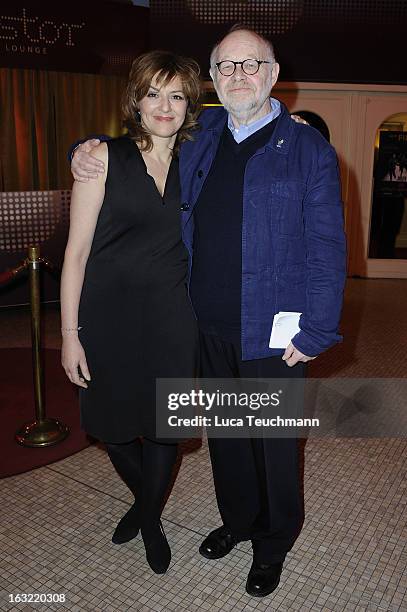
185 206
200 173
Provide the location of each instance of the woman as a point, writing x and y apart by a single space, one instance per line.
126 315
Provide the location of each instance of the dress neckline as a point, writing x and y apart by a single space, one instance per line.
151 178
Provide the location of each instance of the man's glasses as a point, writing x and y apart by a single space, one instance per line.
249 66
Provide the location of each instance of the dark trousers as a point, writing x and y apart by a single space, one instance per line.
257 480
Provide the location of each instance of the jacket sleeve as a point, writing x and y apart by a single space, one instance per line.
325 258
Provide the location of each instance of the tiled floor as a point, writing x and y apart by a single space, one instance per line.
56 522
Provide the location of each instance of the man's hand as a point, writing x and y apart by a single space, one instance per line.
293 356
84 166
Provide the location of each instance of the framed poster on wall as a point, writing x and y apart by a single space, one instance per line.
391 173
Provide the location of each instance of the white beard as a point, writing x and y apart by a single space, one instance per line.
247 107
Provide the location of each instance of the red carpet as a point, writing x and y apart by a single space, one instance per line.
17 408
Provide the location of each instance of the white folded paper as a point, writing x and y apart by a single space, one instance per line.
285 326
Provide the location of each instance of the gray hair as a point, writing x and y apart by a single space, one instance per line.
237 28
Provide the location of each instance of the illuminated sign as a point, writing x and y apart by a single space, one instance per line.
79 37
27 33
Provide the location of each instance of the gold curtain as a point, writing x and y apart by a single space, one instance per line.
41 114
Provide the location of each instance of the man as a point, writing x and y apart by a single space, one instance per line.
262 221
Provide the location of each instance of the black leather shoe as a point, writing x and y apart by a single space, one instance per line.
128 526
158 552
218 543
263 579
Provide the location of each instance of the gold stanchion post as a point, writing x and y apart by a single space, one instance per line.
43 431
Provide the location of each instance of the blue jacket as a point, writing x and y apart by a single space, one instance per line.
293 243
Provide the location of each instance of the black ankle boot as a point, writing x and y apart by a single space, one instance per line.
128 526
158 552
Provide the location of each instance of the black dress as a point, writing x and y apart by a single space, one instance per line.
137 319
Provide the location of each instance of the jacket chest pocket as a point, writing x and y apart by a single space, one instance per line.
285 202
290 219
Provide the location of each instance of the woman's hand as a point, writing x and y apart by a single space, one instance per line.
73 356
299 119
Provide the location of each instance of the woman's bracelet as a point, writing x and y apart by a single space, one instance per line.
68 329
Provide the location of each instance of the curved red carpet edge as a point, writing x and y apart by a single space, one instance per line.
17 408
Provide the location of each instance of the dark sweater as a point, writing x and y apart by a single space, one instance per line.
216 279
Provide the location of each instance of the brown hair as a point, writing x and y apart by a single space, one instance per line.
166 66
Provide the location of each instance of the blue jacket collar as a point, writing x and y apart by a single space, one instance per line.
280 140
